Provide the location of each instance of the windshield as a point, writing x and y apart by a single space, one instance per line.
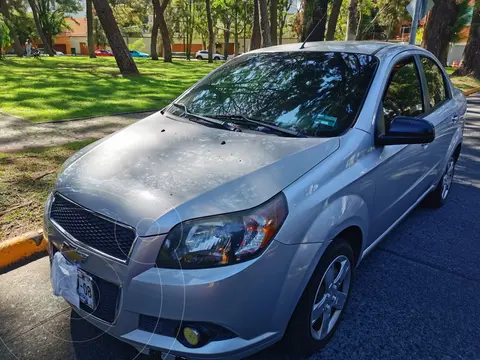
315 93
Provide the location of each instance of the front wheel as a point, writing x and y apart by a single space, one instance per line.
438 197
199 57
216 58
318 312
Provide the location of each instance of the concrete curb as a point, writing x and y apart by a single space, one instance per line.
471 91
21 248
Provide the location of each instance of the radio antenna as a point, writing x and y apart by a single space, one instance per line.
311 32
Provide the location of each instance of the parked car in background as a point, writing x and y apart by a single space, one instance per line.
103 52
136 53
59 53
236 216
203 55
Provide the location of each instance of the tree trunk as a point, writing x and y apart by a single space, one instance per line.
211 34
358 32
46 43
352 20
91 47
471 55
264 25
256 40
315 13
439 28
332 20
235 30
124 60
226 41
154 37
162 26
273 21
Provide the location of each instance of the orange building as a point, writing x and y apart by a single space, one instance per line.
74 40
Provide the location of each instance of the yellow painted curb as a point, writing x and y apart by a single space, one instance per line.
21 247
471 91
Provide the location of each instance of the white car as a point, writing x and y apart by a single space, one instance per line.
203 55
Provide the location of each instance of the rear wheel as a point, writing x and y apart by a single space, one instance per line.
439 196
318 312
199 57
216 58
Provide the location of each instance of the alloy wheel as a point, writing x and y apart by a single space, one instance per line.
331 297
448 178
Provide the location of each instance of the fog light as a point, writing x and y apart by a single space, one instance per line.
192 335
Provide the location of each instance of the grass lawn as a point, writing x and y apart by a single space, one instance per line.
463 82
27 177
69 87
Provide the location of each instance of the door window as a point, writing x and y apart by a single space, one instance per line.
435 82
404 93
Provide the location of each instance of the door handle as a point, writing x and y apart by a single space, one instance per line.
454 118
424 146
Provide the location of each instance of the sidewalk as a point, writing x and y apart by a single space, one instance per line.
18 133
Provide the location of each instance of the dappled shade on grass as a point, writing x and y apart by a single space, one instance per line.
26 178
59 88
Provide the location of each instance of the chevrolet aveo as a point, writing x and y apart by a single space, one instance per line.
236 216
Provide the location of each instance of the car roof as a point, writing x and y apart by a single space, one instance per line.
358 47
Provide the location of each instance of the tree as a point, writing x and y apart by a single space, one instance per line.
222 9
9 24
352 20
439 28
154 37
211 34
284 6
256 40
124 60
91 47
471 55
333 19
50 18
36 8
4 34
273 21
314 19
264 25
99 37
162 24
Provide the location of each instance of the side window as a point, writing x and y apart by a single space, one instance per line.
404 93
435 82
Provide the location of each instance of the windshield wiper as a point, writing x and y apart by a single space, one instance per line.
221 124
245 119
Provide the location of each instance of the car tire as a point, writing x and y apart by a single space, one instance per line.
199 57
438 197
216 58
304 335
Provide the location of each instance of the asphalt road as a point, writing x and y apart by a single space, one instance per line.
417 296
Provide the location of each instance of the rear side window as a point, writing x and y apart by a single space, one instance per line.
435 82
404 93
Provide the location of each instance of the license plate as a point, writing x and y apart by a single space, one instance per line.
85 289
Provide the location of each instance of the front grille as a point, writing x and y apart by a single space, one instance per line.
91 229
106 295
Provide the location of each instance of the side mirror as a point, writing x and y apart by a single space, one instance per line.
407 130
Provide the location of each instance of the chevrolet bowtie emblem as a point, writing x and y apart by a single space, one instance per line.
73 254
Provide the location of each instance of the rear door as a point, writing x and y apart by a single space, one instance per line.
441 112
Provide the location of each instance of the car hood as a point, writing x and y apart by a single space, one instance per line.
160 171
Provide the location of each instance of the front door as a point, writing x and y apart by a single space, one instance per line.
401 172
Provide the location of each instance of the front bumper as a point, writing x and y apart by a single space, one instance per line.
253 300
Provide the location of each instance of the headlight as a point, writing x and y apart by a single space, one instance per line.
225 239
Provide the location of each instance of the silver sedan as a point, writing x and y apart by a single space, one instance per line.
236 216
